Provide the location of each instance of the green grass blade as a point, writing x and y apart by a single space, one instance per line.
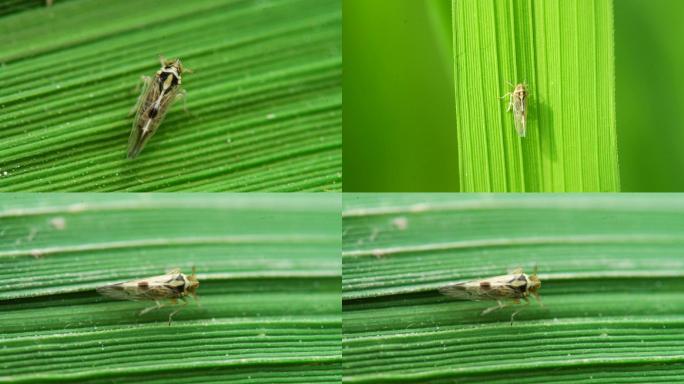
564 52
612 280
264 100
269 272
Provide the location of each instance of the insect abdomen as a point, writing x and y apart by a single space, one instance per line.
152 113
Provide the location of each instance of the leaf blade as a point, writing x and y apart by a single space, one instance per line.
269 273
611 272
264 100
564 51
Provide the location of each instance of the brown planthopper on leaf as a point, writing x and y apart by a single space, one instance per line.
518 103
153 103
174 285
514 286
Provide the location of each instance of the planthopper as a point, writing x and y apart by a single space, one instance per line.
158 94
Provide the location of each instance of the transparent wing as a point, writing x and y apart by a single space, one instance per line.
160 292
118 292
502 292
149 93
520 116
459 291
132 290
145 127
491 288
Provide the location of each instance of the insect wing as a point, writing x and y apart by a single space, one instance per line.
510 286
153 288
144 127
469 290
460 291
137 138
118 292
149 93
519 102
520 114
163 287
493 288
159 292
166 101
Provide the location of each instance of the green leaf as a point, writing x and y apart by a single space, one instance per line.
563 50
269 295
264 99
612 276
8 7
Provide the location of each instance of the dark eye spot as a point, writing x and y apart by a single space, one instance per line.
485 285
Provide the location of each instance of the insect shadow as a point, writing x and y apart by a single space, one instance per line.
544 123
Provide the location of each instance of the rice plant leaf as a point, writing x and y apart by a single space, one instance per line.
263 101
612 276
563 51
269 297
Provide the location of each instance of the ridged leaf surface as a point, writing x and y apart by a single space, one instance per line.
263 101
612 272
269 296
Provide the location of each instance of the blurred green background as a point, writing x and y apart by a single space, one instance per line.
398 113
650 101
399 122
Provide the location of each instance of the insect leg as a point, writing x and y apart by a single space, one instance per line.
527 303
185 302
182 96
197 301
144 311
510 101
492 309
146 81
